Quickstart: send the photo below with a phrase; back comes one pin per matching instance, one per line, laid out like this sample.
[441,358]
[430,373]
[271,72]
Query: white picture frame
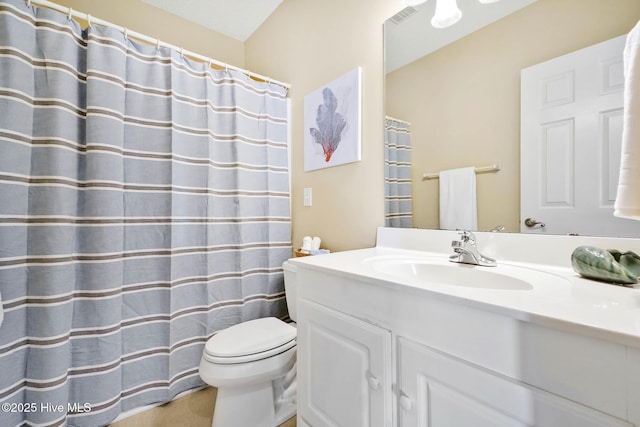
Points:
[333,123]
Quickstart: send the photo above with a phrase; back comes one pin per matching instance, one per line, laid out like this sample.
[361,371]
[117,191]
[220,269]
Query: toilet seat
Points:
[250,341]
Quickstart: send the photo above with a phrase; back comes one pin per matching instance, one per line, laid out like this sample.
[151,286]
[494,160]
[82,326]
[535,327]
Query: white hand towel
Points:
[458,206]
[628,198]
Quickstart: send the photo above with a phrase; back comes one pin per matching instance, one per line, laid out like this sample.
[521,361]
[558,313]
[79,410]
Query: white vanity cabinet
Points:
[374,353]
[347,366]
[439,390]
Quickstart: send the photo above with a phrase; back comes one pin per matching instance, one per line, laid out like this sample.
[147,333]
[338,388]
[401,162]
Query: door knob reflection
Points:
[530,222]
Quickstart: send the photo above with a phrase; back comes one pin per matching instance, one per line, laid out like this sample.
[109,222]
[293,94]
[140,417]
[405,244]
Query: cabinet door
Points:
[438,390]
[344,369]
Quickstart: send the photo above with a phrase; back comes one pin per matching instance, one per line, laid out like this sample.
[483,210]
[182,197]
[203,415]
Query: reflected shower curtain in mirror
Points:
[144,206]
[398,200]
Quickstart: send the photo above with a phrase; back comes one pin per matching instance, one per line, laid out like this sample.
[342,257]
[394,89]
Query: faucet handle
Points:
[467,236]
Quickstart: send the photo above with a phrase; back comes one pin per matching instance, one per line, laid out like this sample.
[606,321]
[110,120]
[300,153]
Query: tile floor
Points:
[192,410]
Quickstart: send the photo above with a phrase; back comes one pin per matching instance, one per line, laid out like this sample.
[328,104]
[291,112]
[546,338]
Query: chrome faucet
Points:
[466,251]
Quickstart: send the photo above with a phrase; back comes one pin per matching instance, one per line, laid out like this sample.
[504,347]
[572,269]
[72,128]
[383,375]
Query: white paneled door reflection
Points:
[571,135]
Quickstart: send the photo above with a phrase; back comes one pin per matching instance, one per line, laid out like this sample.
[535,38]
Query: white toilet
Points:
[253,366]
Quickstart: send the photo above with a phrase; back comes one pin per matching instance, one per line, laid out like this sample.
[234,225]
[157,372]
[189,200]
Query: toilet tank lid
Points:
[289,267]
[251,337]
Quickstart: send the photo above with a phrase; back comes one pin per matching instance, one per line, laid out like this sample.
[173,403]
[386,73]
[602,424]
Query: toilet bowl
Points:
[253,366]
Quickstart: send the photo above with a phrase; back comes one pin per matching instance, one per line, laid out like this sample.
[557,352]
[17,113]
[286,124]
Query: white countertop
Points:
[559,296]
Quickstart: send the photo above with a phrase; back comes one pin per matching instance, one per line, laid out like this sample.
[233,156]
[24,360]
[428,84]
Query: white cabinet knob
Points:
[406,402]
[374,383]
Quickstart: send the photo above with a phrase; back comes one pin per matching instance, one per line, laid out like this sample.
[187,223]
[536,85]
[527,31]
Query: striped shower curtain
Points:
[398,199]
[144,205]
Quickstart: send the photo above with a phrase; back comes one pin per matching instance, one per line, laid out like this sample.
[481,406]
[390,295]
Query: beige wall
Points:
[309,43]
[153,22]
[464,100]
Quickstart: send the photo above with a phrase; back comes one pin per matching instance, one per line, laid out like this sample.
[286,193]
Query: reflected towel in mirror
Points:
[627,203]
[458,205]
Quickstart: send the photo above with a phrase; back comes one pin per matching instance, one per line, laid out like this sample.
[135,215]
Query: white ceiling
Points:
[234,18]
[415,37]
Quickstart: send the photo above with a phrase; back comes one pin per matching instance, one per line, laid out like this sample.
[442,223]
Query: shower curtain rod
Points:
[398,120]
[92,20]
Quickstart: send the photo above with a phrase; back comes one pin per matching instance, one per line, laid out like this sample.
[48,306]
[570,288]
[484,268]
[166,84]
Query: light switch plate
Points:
[307,196]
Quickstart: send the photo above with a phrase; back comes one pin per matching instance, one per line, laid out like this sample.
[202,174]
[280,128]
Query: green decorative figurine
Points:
[610,265]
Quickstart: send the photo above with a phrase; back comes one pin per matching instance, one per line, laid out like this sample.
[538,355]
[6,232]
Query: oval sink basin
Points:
[443,272]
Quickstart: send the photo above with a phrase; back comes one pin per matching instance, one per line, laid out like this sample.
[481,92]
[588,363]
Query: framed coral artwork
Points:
[332,123]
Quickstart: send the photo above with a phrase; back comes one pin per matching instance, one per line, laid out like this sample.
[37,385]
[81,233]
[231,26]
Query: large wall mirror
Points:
[460,90]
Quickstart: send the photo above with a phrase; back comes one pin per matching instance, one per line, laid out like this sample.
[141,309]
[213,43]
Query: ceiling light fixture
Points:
[447,14]
[447,11]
